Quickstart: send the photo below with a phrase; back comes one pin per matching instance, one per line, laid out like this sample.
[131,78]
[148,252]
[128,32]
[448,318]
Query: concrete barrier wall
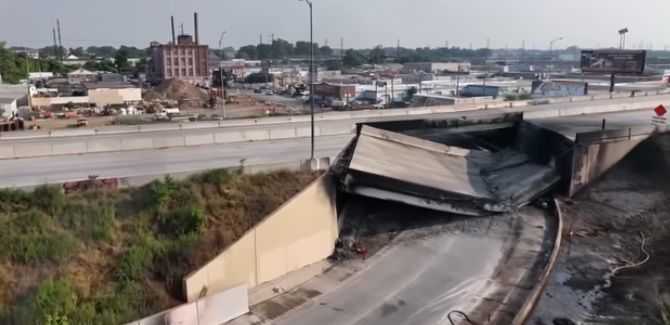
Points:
[301,232]
[592,160]
[215,132]
[215,309]
[83,144]
[328,116]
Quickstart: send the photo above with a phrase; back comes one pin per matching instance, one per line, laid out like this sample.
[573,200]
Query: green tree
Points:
[302,48]
[103,51]
[249,52]
[264,51]
[326,51]
[377,55]
[104,65]
[55,66]
[12,67]
[78,52]
[353,58]
[281,49]
[121,61]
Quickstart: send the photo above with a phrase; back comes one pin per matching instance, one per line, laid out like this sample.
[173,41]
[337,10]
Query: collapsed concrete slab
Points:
[392,166]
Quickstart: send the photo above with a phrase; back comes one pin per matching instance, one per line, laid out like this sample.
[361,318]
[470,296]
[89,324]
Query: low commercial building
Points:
[11,98]
[99,94]
[338,92]
[497,90]
[110,94]
[557,88]
[34,76]
[81,76]
[437,67]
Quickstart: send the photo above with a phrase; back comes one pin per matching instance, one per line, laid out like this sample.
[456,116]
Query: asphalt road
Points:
[57,169]
[484,267]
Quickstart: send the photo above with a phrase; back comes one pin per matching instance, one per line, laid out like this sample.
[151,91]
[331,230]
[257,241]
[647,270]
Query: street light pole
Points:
[223,90]
[551,47]
[311,73]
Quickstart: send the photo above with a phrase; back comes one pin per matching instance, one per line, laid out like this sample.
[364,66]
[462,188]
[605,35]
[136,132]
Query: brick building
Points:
[183,59]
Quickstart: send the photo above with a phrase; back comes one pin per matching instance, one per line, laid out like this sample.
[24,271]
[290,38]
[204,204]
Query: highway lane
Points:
[57,169]
[322,120]
[484,267]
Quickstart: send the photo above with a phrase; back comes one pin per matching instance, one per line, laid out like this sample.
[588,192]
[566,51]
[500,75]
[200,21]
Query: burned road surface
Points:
[426,265]
[614,266]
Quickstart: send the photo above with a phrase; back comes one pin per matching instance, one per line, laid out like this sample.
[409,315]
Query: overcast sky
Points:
[362,23]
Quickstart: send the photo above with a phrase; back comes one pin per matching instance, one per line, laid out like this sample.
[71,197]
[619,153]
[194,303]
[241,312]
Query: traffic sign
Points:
[659,116]
[660,110]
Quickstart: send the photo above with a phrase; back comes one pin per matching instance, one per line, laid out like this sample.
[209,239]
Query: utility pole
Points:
[342,46]
[261,39]
[397,49]
[488,43]
[30,99]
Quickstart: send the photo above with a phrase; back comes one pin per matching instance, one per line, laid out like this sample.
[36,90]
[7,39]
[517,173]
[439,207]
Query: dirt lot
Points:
[242,110]
[605,226]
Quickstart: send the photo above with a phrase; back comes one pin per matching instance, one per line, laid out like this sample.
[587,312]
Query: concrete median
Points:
[256,135]
[304,132]
[140,143]
[199,140]
[338,129]
[169,142]
[6,152]
[32,150]
[69,148]
[72,133]
[228,137]
[104,145]
[276,134]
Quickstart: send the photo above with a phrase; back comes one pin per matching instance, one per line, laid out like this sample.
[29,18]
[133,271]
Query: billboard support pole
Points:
[612,83]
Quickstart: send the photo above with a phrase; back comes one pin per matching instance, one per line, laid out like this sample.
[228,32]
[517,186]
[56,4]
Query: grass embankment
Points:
[108,257]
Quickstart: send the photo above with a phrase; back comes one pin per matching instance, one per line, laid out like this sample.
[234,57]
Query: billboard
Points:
[613,61]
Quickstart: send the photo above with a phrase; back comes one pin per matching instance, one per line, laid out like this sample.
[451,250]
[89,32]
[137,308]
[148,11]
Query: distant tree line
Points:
[13,65]
[104,52]
[355,58]
[282,49]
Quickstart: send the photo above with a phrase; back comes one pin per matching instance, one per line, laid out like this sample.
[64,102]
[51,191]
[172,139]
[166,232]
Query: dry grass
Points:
[133,241]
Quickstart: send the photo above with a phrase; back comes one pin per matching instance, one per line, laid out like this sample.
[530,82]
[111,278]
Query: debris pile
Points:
[178,90]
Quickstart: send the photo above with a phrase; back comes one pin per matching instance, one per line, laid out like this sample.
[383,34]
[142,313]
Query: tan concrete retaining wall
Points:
[592,160]
[212,310]
[301,232]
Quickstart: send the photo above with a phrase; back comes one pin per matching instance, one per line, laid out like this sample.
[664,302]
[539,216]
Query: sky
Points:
[361,23]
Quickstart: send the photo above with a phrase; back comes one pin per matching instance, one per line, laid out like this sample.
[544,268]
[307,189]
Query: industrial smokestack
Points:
[60,41]
[195,21]
[55,44]
[174,38]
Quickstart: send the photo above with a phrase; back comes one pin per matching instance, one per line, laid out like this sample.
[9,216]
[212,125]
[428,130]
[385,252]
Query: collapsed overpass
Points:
[487,164]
